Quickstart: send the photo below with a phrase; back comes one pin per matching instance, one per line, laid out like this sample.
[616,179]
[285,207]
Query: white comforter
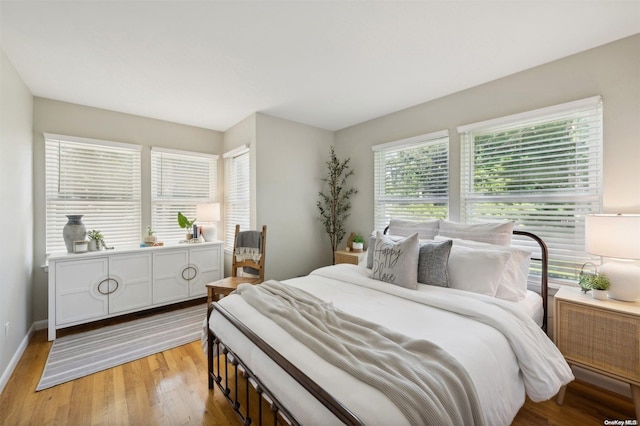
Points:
[500,366]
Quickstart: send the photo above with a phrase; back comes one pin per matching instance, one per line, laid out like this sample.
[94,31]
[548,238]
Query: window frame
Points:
[565,239]
[237,207]
[383,154]
[85,172]
[165,225]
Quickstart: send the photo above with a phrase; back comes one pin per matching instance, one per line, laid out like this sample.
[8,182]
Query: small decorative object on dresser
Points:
[599,335]
[96,240]
[73,231]
[150,239]
[186,224]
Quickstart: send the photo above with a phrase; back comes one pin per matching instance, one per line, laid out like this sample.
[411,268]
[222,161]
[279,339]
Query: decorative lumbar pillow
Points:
[432,262]
[426,229]
[476,270]
[499,233]
[396,262]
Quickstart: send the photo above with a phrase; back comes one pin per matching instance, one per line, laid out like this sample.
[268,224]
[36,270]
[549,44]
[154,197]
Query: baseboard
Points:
[6,375]
[41,325]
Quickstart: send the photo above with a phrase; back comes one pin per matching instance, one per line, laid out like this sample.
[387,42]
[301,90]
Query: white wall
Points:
[76,120]
[290,163]
[16,216]
[612,71]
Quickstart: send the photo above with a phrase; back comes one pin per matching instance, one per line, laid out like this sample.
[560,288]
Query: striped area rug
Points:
[85,353]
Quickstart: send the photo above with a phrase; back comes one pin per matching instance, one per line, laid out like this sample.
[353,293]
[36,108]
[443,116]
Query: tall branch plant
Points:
[334,204]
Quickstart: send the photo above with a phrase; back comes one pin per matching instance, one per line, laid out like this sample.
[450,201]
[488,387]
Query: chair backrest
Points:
[240,260]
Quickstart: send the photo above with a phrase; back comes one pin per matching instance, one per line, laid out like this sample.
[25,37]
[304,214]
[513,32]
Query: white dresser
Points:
[96,285]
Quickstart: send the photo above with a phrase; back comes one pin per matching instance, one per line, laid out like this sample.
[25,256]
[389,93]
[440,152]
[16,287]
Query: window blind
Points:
[543,169]
[179,181]
[411,178]
[98,179]
[237,198]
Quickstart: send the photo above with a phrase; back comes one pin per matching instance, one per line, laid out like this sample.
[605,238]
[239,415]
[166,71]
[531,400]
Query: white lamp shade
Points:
[613,235]
[209,212]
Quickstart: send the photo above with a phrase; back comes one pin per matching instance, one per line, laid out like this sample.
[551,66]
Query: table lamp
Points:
[207,215]
[617,237]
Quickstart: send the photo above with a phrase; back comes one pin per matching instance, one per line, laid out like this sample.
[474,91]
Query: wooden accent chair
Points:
[226,285]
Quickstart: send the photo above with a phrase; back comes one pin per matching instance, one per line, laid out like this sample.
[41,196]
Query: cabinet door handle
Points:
[102,282]
[117,285]
[189,277]
[106,280]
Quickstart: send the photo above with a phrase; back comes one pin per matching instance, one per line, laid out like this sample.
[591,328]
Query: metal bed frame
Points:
[220,376]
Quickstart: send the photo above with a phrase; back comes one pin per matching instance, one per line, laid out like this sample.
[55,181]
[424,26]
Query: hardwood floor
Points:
[170,388]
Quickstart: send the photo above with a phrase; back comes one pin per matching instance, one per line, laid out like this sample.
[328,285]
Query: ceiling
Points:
[329,64]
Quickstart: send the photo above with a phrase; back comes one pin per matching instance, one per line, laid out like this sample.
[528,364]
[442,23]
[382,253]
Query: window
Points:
[542,168]
[411,178]
[98,179]
[237,194]
[179,181]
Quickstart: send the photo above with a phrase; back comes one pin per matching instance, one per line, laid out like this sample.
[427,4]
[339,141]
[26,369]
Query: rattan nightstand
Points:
[599,335]
[354,258]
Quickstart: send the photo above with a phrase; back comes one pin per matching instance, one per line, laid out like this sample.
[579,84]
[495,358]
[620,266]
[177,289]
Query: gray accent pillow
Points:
[432,262]
[396,262]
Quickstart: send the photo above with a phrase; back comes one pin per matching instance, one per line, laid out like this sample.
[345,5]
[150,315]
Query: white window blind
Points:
[543,169]
[411,178]
[179,181]
[97,179]
[237,194]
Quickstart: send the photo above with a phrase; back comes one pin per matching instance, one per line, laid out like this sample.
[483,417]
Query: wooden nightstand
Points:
[343,256]
[599,335]
[224,287]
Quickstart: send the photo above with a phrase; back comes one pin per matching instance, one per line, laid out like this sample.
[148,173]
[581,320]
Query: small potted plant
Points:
[150,238]
[96,241]
[357,244]
[186,224]
[597,283]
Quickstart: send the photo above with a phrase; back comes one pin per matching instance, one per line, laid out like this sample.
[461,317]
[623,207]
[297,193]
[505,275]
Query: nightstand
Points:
[343,256]
[599,335]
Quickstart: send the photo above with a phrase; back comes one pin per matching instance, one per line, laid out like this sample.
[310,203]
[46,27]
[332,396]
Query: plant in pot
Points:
[150,238]
[186,224]
[357,243]
[597,283]
[96,240]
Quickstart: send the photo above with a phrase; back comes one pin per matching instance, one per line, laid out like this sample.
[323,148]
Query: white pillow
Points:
[498,233]
[513,284]
[476,270]
[426,229]
[396,262]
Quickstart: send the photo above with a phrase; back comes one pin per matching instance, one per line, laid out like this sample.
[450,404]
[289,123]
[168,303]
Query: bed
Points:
[493,351]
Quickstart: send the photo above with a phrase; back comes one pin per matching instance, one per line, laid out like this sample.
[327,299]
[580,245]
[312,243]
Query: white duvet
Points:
[501,367]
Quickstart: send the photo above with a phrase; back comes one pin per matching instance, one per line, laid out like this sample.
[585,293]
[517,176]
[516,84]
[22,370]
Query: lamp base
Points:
[208,232]
[625,279]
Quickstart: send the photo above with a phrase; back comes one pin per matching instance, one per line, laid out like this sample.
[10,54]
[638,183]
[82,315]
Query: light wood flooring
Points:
[170,388]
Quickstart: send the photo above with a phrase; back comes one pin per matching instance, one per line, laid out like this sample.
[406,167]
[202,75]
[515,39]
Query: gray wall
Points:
[612,71]
[63,118]
[16,216]
[289,165]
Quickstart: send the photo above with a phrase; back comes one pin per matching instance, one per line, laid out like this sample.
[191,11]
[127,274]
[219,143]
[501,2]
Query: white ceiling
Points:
[329,64]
